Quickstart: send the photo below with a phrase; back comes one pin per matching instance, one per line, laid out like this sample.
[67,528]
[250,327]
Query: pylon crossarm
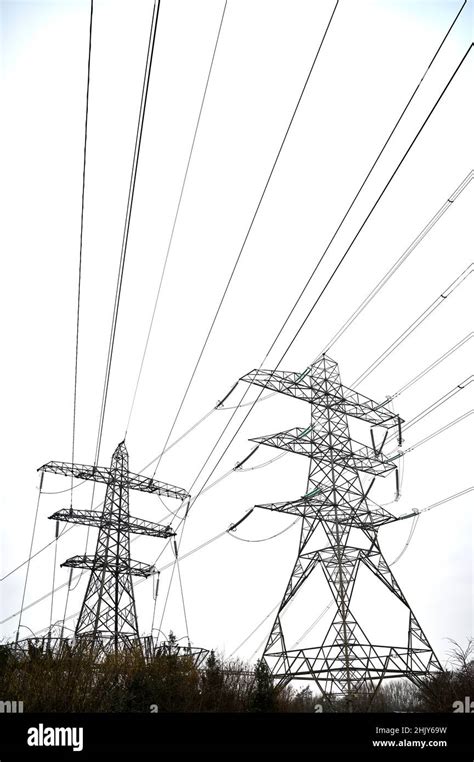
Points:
[91,473]
[105,475]
[300,507]
[305,442]
[144,484]
[280,381]
[112,521]
[296,507]
[340,399]
[359,406]
[114,565]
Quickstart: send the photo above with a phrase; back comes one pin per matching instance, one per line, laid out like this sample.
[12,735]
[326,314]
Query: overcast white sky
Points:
[373,57]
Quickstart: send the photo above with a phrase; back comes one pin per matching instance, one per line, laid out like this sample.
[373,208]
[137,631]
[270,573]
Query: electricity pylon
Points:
[108,613]
[346,663]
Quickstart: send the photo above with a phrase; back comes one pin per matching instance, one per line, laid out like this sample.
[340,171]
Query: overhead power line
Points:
[384,280]
[435,405]
[415,324]
[324,288]
[226,531]
[400,261]
[367,176]
[126,229]
[254,216]
[431,367]
[81,235]
[418,511]
[128,214]
[471,411]
[432,435]
[173,227]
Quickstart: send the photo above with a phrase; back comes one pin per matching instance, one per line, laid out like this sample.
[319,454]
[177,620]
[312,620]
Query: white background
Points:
[374,55]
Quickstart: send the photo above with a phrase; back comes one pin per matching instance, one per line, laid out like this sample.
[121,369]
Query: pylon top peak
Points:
[323,359]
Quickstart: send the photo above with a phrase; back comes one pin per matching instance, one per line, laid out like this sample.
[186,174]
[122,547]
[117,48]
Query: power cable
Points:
[400,261]
[265,539]
[328,282]
[414,325]
[433,434]
[409,539]
[239,255]
[239,467]
[435,405]
[54,574]
[173,227]
[415,514]
[433,365]
[128,213]
[99,505]
[226,531]
[238,260]
[356,196]
[392,270]
[165,449]
[369,214]
[29,557]
[418,511]
[81,236]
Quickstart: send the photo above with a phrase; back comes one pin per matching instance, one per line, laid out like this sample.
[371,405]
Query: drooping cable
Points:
[99,505]
[408,541]
[29,556]
[182,598]
[265,539]
[226,532]
[66,601]
[239,467]
[55,558]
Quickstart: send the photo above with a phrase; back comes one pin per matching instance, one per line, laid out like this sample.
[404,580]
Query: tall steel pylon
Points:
[108,614]
[346,662]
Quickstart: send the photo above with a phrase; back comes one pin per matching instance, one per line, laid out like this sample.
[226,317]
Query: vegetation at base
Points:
[76,681]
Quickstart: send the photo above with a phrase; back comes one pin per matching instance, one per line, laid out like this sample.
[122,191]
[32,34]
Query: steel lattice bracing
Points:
[108,611]
[346,662]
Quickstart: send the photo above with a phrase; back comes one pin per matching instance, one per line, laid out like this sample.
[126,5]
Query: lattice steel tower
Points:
[108,613]
[346,662]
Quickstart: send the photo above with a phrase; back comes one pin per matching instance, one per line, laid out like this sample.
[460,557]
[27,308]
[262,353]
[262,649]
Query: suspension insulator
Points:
[157,585]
